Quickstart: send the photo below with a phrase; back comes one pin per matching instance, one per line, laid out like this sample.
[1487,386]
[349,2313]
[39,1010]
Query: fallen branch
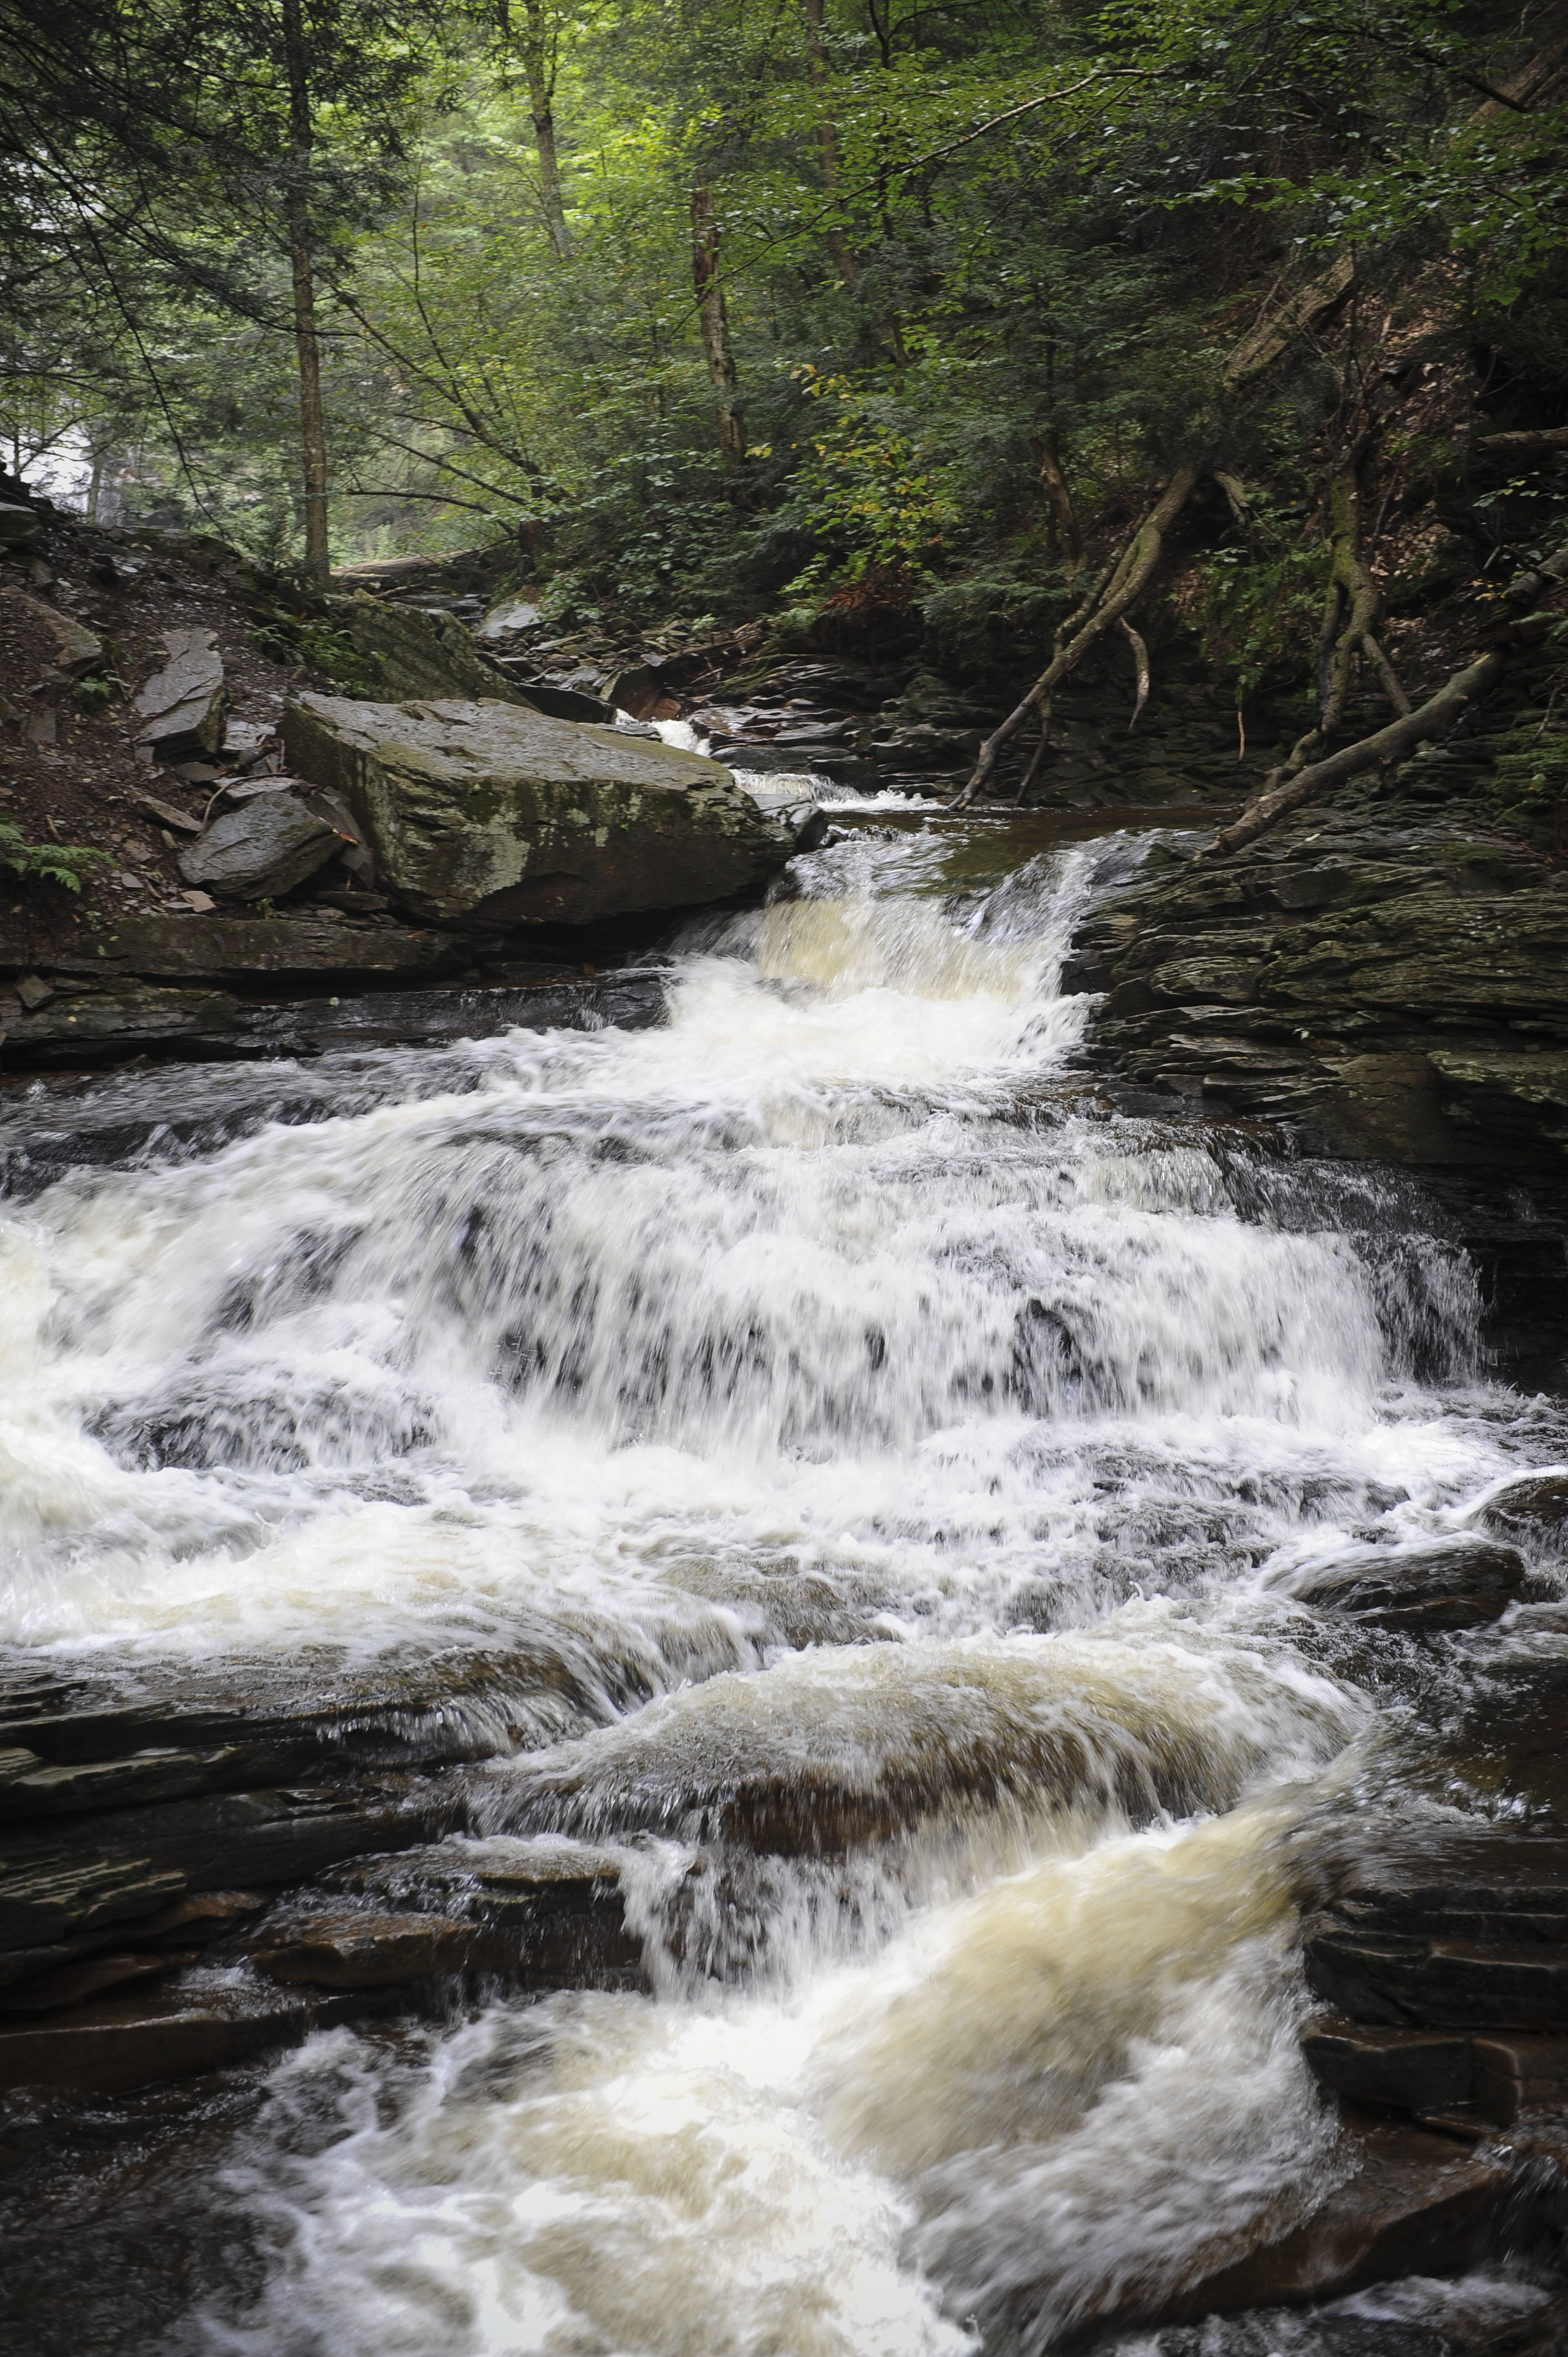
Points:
[1524,445]
[1433,719]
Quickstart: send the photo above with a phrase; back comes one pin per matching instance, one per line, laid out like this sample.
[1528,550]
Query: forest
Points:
[951,315]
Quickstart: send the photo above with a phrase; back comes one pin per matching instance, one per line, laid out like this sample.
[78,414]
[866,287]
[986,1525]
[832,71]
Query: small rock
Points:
[261,850]
[201,902]
[34,991]
[167,814]
[41,727]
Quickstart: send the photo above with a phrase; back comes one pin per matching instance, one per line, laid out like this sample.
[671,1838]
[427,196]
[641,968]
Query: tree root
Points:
[1387,748]
[1140,658]
[1128,578]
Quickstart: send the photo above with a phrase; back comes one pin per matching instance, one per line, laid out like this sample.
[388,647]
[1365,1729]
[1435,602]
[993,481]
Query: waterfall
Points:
[896,1435]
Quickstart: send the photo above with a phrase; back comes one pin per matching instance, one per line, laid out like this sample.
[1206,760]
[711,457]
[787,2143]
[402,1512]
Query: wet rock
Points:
[182,706]
[44,1898]
[37,1790]
[1536,1502]
[262,849]
[299,948]
[1377,1976]
[129,2042]
[71,1985]
[356,1951]
[548,1912]
[1460,1584]
[1418,2204]
[1407,2070]
[113,1868]
[122,1017]
[493,812]
[1511,2076]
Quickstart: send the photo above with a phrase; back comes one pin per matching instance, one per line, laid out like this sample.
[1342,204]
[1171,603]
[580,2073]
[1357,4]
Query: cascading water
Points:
[904,1448]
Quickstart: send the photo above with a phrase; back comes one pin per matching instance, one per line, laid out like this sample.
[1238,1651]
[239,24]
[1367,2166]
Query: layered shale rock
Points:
[192,1869]
[491,812]
[1396,987]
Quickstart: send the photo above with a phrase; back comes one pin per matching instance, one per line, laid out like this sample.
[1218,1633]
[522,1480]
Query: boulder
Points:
[491,811]
[263,848]
[182,706]
[17,524]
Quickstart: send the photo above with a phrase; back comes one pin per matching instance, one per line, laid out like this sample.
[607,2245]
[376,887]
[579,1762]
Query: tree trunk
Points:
[844,254]
[710,293]
[307,344]
[539,64]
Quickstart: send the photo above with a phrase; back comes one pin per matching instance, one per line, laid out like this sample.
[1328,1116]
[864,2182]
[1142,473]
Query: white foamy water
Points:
[897,1441]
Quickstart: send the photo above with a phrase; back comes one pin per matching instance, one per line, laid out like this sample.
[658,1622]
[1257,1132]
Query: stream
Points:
[913,1445]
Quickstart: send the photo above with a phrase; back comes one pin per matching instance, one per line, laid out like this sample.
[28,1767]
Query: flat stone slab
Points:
[181,707]
[493,811]
[308,948]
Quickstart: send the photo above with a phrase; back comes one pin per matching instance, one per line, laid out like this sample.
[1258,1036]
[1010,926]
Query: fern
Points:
[67,864]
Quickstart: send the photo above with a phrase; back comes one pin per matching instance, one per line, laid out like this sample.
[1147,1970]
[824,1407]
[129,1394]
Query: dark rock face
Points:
[1444,1961]
[490,811]
[1397,987]
[1416,2200]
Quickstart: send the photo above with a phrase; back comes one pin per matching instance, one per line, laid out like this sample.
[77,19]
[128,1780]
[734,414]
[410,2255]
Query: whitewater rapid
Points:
[901,1442]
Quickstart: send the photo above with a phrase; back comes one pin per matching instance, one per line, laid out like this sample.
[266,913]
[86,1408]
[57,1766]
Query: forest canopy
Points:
[719,306]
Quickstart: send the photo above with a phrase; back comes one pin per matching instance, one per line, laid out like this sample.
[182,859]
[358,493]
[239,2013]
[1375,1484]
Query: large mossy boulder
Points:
[492,812]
